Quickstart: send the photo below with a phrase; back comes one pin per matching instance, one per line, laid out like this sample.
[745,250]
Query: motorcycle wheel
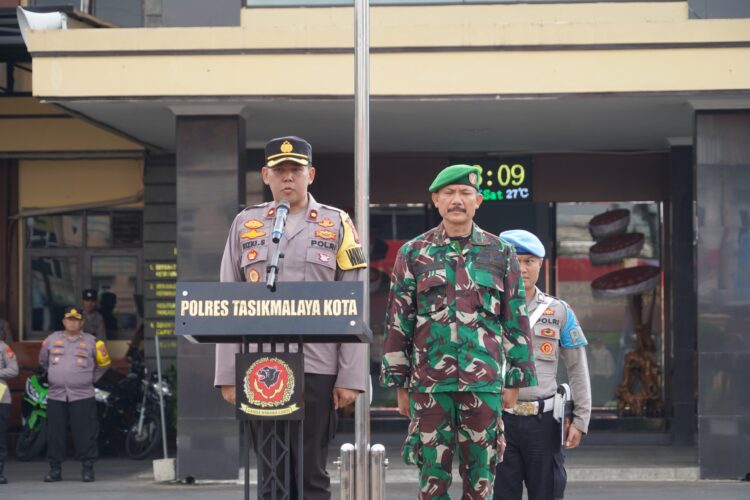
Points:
[31,442]
[139,446]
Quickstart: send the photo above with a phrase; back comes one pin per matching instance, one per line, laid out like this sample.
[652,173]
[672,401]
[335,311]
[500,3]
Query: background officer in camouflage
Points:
[74,360]
[533,454]
[456,310]
[320,243]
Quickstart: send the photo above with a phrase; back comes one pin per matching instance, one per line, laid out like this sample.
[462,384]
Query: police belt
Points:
[531,408]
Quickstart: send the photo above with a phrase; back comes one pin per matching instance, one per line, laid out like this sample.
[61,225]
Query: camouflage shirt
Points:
[454,314]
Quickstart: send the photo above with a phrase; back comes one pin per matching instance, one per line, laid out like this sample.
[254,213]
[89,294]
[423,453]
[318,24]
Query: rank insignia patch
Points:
[549,312]
[252,255]
[252,234]
[253,224]
[324,257]
[253,276]
[546,348]
[356,256]
[326,222]
[326,234]
[271,212]
[548,332]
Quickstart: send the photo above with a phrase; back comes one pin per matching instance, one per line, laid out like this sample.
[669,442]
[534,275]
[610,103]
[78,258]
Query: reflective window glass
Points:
[53,288]
[54,231]
[609,323]
[98,231]
[116,279]
[390,227]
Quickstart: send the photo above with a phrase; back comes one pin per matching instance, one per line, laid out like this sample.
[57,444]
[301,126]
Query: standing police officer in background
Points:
[319,243]
[534,449]
[456,312]
[74,360]
[8,370]
[93,321]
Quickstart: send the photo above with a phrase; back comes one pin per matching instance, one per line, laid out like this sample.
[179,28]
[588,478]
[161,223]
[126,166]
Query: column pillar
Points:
[683,296]
[210,154]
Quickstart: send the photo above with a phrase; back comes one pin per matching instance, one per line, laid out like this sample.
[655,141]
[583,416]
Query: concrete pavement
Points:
[595,472]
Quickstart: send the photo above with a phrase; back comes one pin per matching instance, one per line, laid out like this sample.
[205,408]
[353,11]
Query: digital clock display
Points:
[505,180]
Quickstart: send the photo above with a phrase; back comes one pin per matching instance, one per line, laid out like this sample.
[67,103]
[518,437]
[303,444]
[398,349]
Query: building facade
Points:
[571,108]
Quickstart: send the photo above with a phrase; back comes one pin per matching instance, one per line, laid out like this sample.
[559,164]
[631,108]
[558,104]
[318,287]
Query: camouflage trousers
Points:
[442,421]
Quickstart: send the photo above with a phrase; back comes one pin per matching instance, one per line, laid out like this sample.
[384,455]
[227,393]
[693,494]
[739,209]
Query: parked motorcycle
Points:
[129,411]
[33,439]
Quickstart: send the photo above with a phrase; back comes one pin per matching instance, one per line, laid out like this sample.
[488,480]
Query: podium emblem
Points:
[269,382]
[272,386]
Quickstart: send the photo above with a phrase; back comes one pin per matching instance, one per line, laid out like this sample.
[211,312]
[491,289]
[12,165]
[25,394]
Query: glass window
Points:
[116,279]
[608,323]
[127,229]
[53,288]
[90,249]
[390,227]
[98,231]
[54,231]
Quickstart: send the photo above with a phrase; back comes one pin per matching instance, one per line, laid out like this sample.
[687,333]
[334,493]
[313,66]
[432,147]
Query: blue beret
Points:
[524,241]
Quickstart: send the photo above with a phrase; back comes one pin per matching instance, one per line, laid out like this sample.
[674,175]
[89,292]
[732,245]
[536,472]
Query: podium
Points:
[270,381]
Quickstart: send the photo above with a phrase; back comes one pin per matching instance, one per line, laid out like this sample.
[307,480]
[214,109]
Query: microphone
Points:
[282,210]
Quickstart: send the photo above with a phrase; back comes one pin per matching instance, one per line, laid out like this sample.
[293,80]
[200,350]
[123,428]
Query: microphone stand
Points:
[272,270]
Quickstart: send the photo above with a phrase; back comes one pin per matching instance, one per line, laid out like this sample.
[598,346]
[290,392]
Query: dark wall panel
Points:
[723,283]
[681,274]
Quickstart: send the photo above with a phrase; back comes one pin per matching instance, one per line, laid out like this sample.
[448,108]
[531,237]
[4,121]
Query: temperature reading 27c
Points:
[508,182]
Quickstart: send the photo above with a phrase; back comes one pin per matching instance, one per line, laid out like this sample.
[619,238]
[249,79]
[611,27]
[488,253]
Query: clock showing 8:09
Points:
[506,180]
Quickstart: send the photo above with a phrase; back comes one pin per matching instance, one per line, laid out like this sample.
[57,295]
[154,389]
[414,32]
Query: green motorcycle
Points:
[33,440]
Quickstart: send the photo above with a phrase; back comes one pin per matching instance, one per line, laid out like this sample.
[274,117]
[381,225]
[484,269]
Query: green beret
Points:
[457,174]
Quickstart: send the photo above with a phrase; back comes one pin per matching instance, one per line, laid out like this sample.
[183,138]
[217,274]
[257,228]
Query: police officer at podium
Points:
[534,453]
[319,243]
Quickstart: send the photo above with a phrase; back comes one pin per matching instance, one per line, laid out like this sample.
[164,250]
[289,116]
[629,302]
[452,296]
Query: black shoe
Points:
[54,475]
[87,474]
[3,480]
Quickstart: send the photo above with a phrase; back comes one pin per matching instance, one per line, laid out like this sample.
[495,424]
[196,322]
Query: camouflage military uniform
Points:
[454,314]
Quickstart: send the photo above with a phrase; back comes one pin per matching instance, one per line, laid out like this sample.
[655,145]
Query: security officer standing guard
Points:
[93,321]
[456,310]
[74,360]
[320,243]
[534,437]
[8,370]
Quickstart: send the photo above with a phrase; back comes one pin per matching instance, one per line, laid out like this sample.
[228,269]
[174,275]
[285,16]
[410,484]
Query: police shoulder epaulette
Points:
[350,254]
[257,205]
[329,207]
[102,355]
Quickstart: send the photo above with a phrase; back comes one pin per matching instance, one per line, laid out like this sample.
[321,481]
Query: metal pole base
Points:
[346,471]
[378,464]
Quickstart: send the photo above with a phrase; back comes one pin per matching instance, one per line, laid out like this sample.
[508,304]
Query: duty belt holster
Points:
[563,409]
